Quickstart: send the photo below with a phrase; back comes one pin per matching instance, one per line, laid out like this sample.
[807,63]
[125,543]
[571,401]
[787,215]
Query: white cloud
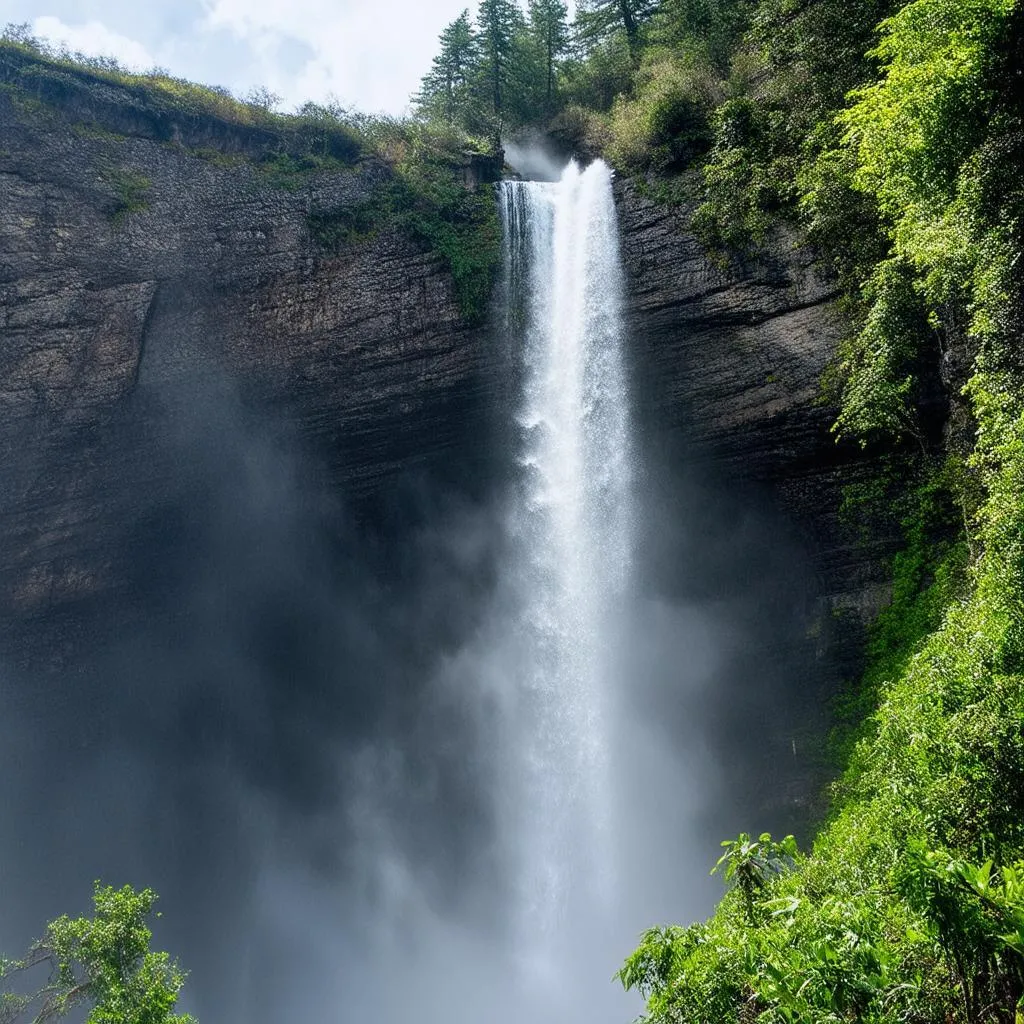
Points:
[95,39]
[368,52]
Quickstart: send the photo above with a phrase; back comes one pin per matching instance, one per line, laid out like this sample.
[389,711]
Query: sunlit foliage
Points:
[903,164]
[101,963]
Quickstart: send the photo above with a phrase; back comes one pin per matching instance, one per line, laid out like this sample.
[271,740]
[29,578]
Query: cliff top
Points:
[100,94]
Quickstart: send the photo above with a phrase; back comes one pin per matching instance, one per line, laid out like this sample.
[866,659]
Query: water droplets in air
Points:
[542,910]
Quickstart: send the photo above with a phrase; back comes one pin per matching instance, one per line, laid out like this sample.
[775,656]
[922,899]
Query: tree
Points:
[550,29]
[749,863]
[499,23]
[715,26]
[103,962]
[598,19]
[445,87]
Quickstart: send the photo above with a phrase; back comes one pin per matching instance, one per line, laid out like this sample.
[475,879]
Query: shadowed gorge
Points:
[258,564]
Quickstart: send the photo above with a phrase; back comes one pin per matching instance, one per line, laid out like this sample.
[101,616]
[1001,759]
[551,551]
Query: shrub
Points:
[580,130]
[666,125]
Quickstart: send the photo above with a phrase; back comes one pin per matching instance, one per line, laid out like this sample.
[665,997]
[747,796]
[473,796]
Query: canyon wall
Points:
[138,273]
[151,270]
[731,353]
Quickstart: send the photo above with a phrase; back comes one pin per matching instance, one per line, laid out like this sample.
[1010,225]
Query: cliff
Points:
[137,263]
[158,276]
[731,356]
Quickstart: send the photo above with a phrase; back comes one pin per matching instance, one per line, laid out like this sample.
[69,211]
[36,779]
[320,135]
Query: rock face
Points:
[156,289]
[730,359]
[132,270]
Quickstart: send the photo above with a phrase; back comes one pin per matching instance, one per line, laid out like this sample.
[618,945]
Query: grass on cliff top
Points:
[54,76]
[424,196]
[431,205]
[312,137]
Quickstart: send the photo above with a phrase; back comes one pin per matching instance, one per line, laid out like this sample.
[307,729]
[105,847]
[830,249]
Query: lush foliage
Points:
[893,135]
[102,963]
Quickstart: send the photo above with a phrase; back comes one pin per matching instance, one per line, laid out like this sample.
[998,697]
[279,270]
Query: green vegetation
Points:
[891,135]
[425,195]
[58,78]
[461,226]
[131,191]
[638,76]
[425,201]
[102,964]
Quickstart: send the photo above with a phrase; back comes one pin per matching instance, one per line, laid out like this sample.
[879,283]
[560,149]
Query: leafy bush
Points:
[102,963]
[877,386]
[666,125]
[742,183]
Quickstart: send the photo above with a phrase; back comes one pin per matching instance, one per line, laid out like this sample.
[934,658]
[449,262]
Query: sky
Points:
[366,54]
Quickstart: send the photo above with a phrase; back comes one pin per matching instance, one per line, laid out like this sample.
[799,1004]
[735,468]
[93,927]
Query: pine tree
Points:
[499,23]
[445,88]
[550,30]
[717,25]
[598,19]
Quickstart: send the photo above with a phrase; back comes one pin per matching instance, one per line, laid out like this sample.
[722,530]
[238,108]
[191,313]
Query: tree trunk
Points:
[629,22]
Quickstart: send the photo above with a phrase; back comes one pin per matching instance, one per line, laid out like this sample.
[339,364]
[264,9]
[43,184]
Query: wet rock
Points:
[730,358]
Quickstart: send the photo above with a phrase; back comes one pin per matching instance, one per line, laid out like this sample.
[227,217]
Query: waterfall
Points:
[570,529]
[551,886]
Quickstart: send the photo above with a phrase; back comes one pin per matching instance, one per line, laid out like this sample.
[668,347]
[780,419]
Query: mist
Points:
[532,157]
[288,714]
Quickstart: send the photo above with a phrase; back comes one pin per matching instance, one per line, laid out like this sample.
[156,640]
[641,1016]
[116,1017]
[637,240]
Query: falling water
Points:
[571,530]
[544,909]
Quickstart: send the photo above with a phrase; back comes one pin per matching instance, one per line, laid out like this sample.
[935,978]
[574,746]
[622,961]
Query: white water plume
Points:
[571,532]
[544,909]
[585,807]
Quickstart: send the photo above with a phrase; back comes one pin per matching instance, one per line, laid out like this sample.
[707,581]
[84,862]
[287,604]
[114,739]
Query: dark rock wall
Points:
[144,282]
[730,358]
[107,313]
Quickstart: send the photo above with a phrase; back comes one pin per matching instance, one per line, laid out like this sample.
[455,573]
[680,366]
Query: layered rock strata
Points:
[133,270]
[151,273]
